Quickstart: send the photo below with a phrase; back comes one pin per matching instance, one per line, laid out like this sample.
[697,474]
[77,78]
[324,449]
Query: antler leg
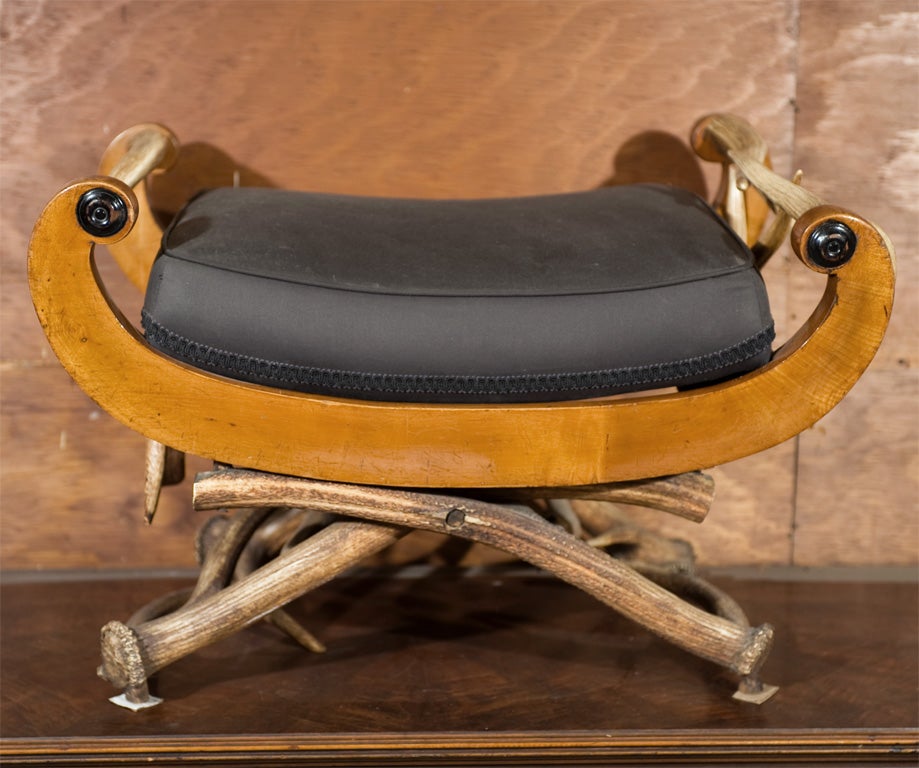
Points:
[738,647]
[273,518]
[130,654]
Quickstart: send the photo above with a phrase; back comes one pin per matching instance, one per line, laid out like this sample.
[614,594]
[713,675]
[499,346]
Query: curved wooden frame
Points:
[582,442]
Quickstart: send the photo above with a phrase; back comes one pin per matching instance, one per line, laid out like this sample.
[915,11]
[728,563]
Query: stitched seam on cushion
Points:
[714,274]
[647,376]
[166,250]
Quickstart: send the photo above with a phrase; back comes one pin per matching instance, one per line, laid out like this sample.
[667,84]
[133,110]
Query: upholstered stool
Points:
[361,367]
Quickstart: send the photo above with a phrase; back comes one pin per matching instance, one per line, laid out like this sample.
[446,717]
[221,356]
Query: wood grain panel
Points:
[462,100]
[872,515]
[750,522]
[423,99]
[71,484]
[857,137]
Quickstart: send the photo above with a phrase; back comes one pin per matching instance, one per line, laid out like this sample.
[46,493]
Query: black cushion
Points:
[514,300]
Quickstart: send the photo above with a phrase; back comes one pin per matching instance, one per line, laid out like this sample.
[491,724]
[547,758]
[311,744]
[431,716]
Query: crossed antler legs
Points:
[217,608]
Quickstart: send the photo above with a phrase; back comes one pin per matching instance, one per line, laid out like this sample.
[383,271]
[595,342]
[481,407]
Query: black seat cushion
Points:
[529,299]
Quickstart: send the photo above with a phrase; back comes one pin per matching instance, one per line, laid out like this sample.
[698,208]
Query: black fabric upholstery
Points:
[528,299]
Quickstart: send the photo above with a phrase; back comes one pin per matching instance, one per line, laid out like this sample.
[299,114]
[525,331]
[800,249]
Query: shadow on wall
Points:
[652,157]
[657,157]
[199,166]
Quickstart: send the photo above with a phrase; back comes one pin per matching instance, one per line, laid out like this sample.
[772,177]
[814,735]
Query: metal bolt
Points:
[455,518]
[831,244]
[101,212]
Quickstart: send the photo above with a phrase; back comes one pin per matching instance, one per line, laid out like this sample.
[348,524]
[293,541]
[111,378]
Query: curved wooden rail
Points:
[582,442]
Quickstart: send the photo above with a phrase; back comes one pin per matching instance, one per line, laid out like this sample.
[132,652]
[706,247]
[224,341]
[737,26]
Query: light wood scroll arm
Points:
[574,443]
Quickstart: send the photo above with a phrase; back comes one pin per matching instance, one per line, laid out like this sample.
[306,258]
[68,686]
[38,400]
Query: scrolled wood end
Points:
[101,208]
[825,238]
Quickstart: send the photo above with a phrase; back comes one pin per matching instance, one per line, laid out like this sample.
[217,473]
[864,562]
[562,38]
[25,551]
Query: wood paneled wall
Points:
[464,99]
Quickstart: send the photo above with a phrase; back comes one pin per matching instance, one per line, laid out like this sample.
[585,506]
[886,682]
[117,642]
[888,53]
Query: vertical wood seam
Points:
[795,474]
[795,10]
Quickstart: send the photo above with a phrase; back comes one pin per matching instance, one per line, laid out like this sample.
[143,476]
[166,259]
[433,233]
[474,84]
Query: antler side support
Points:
[133,652]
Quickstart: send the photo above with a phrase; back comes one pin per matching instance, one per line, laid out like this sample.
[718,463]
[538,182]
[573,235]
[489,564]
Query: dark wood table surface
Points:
[460,668]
